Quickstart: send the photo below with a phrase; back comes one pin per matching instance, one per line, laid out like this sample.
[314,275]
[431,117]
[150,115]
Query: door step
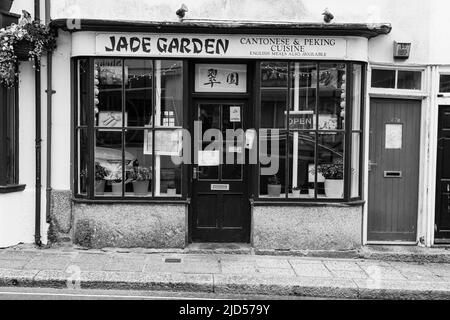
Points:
[219,248]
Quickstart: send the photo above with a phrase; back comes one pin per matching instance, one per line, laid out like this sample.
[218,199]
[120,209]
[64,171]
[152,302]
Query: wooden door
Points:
[220,202]
[393,170]
[443,177]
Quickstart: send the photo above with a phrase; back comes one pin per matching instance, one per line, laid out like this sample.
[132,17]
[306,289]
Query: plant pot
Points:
[5,5]
[116,188]
[100,187]
[274,190]
[141,187]
[171,192]
[22,49]
[334,189]
[296,193]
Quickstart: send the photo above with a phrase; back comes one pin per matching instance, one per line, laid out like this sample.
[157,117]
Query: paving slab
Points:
[285,286]
[90,262]
[311,270]
[49,262]
[342,266]
[13,264]
[125,263]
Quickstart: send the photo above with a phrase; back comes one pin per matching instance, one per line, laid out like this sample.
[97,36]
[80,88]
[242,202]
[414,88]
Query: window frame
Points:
[347,132]
[9,115]
[396,69]
[92,129]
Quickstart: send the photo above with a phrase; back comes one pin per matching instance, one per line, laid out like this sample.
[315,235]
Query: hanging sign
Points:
[222,46]
[301,120]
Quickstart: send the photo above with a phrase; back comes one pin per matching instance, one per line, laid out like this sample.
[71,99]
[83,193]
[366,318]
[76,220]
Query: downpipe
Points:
[37,75]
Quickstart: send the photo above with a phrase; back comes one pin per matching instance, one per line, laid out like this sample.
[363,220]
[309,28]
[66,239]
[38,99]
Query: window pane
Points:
[273,163]
[109,101]
[356,97]
[274,74]
[331,165]
[332,94]
[444,84]
[274,83]
[356,156]
[168,171]
[84,80]
[302,164]
[108,157]
[303,96]
[169,93]
[409,80]
[139,171]
[82,161]
[138,92]
[383,78]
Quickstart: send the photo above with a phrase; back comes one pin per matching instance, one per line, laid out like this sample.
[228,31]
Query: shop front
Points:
[236,135]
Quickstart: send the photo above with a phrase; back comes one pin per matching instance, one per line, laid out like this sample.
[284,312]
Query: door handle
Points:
[195,173]
[372,164]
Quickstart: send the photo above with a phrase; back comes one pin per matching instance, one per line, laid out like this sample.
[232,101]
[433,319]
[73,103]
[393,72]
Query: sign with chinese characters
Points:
[221,46]
[221,78]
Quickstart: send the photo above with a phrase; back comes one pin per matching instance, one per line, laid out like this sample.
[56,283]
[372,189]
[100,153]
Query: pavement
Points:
[222,274]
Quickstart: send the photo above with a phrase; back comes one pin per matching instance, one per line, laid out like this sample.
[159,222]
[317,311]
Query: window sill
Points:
[292,203]
[12,188]
[131,201]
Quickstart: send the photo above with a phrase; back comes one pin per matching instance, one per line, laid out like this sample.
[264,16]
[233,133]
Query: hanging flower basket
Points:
[28,40]
[5,5]
[22,50]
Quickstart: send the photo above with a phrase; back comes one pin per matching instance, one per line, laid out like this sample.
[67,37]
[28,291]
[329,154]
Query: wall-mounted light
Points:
[402,50]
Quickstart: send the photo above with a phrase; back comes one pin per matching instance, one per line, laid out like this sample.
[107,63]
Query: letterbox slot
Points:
[392,174]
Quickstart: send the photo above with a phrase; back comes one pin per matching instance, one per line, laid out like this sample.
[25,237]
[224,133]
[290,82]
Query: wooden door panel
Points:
[394,175]
[443,176]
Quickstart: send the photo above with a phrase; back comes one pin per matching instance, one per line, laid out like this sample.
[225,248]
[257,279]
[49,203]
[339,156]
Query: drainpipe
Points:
[37,235]
[50,93]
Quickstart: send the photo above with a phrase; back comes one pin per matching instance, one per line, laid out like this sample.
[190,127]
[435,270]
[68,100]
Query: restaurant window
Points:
[129,121]
[310,124]
[9,143]
[396,79]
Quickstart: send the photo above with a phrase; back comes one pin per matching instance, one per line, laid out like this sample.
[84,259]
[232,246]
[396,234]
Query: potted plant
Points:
[334,178]
[171,189]
[296,192]
[114,171]
[5,5]
[28,40]
[100,174]
[274,187]
[140,177]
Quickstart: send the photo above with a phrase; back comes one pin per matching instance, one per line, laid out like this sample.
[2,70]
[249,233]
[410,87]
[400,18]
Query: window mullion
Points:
[91,132]
[123,129]
[348,135]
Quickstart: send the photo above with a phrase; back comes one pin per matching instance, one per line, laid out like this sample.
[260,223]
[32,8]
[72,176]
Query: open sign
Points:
[301,120]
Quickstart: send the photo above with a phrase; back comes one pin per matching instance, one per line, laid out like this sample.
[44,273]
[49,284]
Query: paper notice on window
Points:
[394,136]
[235,114]
[208,158]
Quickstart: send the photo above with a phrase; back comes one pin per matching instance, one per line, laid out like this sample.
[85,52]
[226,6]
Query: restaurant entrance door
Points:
[220,209]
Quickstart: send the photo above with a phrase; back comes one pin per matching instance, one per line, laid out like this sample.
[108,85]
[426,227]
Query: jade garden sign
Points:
[222,46]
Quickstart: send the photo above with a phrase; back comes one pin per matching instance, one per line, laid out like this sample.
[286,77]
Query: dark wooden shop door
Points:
[394,170]
[220,202]
[443,177]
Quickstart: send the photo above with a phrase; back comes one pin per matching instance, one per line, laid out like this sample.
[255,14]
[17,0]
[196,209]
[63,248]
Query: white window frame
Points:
[374,92]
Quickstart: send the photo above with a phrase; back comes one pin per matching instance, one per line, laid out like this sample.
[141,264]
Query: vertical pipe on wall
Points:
[50,93]
[37,234]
